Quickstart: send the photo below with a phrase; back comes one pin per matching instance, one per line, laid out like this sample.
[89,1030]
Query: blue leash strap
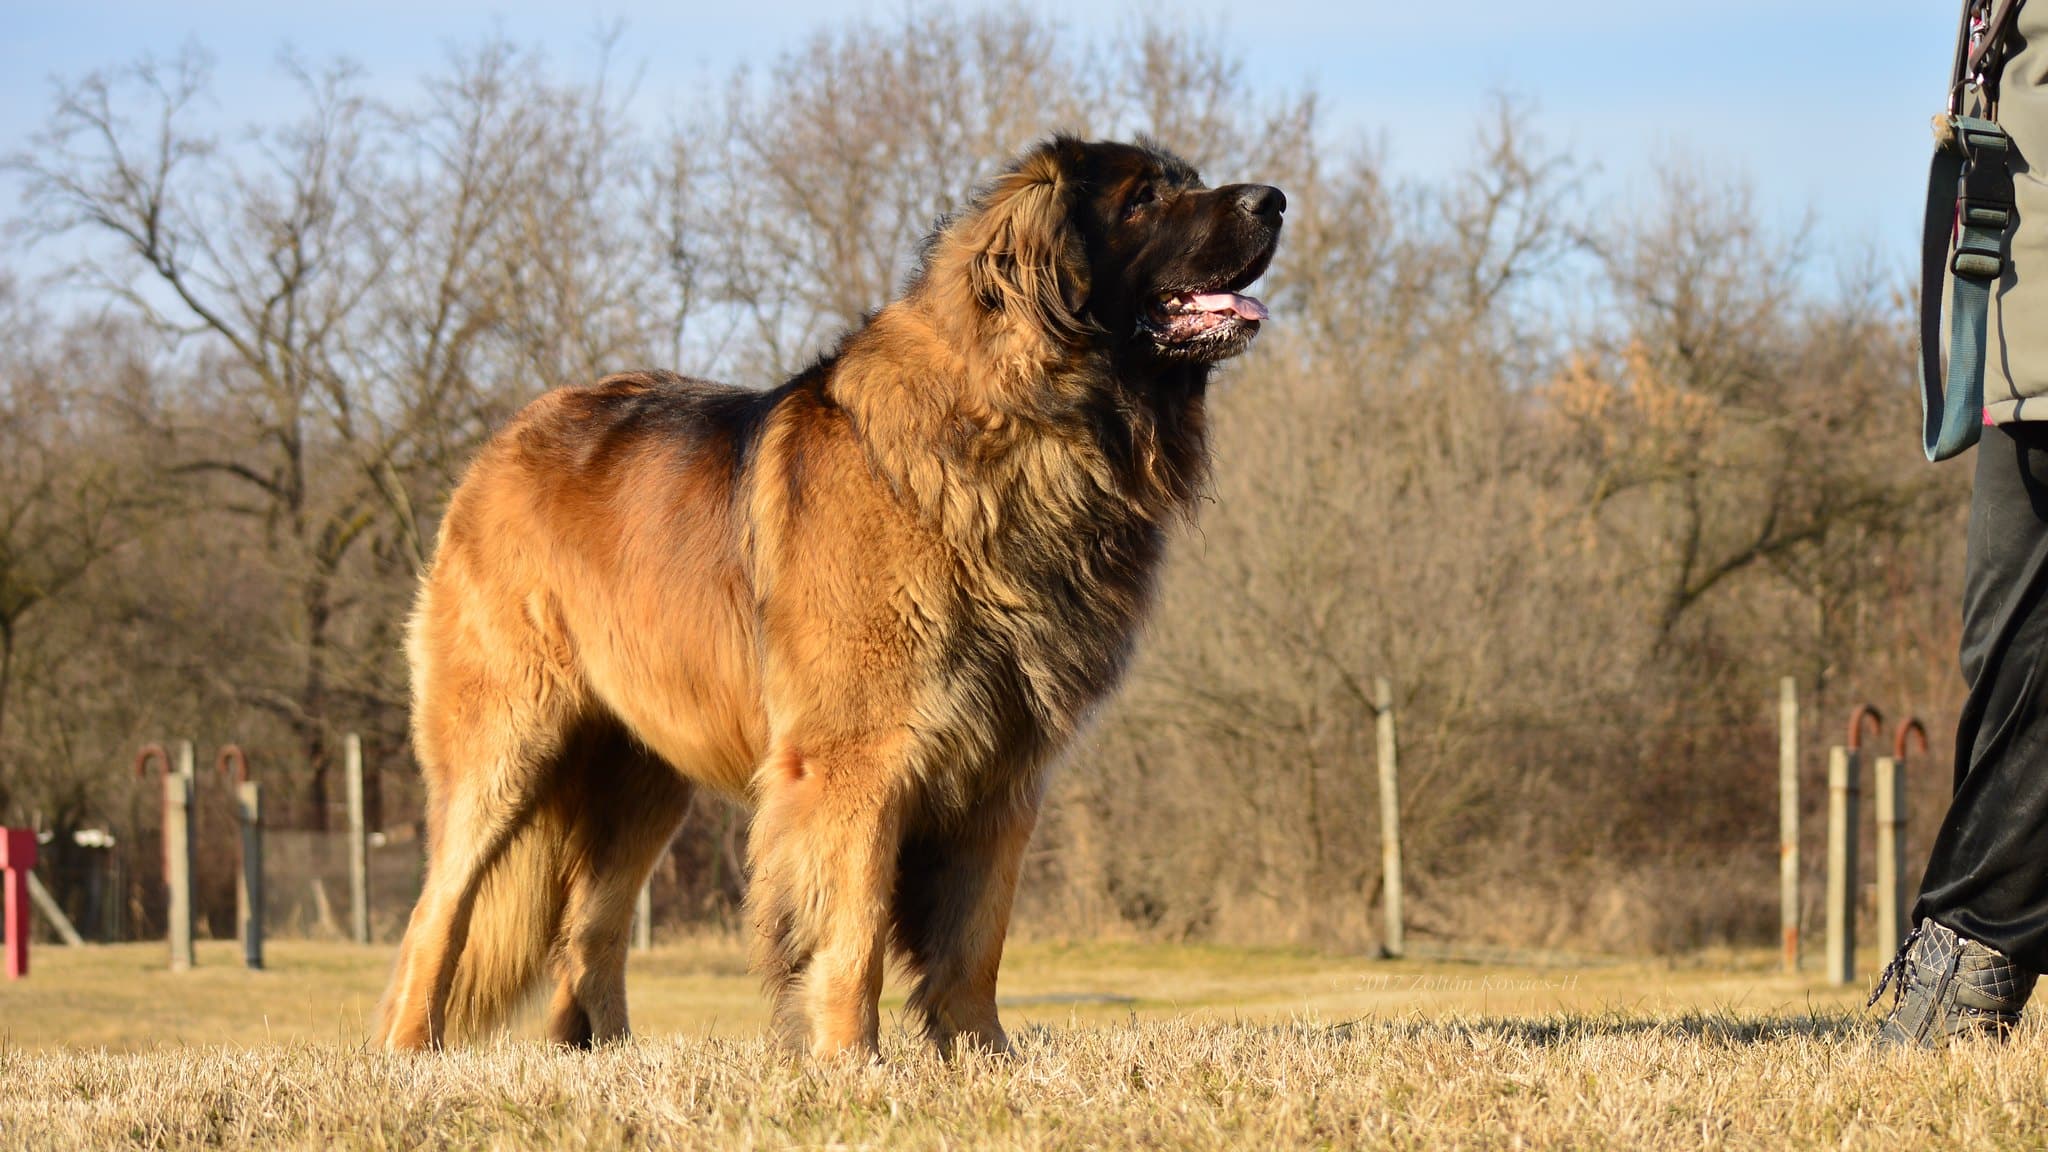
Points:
[1969,202]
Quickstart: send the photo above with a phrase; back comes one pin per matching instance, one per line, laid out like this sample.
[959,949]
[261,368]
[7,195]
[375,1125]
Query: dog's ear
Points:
[1026,258]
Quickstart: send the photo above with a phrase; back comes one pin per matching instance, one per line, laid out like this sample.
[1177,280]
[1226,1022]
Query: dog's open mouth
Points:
[1178,317]
[1214,313]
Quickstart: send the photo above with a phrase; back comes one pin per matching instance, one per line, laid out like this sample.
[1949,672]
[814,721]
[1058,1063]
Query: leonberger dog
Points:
[874,604]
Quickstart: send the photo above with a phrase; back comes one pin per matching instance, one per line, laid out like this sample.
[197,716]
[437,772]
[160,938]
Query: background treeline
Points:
[1582,478]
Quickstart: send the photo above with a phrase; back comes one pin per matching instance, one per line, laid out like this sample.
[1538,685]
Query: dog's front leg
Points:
[824,849]
[954,890]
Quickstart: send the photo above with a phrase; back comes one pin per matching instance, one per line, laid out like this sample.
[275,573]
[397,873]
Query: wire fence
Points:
[110,879]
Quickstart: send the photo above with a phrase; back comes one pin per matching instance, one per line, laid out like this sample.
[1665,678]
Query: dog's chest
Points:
[1047,618]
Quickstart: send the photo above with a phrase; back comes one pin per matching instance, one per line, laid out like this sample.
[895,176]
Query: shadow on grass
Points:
[1712,1028]
[1715,1029]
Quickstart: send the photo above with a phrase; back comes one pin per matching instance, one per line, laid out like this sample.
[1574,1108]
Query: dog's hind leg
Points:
[493,707]
[951,913]
[622,806]
[474,832]
[823,849]
[480,820]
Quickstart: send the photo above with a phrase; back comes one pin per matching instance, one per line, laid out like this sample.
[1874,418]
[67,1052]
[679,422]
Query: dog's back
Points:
[602,528]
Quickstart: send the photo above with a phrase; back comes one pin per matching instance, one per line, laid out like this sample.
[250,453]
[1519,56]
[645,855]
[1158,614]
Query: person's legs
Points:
[1983,909]
[1987,878]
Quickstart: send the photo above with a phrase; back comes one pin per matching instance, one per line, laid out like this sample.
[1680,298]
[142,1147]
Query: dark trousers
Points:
[1988,876]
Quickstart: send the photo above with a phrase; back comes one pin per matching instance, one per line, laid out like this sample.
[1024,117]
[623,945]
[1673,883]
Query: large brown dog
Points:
[874,603]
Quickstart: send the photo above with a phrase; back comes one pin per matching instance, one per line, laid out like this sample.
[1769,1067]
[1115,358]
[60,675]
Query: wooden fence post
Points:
[1842,805]
[1788,819]
[249,889]
[179,859]
[1891,854]
[358,842]
[232,764]
[1391,942]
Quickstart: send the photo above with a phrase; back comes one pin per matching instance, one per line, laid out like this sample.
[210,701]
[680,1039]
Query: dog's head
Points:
[1121,245]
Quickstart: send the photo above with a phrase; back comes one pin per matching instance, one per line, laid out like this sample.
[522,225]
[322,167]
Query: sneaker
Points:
[1950,987]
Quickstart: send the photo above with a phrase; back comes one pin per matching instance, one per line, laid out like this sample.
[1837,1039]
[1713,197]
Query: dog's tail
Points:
[512,926]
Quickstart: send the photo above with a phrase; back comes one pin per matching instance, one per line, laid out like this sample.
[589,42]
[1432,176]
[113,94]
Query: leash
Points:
[1969,205]
[1969,208]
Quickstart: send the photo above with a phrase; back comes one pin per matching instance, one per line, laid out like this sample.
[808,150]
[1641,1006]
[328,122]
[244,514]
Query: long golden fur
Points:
[873,603]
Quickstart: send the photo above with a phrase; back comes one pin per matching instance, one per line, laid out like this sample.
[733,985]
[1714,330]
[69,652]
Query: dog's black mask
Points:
[1169,258]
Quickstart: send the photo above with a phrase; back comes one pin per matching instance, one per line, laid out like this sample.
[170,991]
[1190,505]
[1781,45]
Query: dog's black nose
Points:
[1263,201]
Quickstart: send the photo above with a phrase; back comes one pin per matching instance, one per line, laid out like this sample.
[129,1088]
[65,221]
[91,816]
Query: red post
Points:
[17,856]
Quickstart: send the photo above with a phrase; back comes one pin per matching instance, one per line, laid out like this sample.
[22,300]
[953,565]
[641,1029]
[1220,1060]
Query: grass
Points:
[1119,1045]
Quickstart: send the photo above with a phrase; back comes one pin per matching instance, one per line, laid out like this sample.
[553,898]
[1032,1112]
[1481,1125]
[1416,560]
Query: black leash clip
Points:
[1984,196]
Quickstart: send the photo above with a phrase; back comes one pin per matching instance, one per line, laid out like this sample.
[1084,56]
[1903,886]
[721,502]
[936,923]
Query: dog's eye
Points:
[1143,196]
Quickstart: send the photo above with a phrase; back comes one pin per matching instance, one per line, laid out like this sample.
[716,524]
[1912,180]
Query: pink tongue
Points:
[1243,306]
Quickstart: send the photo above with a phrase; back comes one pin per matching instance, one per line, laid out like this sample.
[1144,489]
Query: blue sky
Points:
[1821,106]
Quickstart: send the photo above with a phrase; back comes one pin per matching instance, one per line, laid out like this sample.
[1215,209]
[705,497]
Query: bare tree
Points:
[1715,435]
[385,286]
[65,505]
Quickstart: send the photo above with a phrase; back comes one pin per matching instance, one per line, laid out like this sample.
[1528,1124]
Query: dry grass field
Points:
[1118,1046]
